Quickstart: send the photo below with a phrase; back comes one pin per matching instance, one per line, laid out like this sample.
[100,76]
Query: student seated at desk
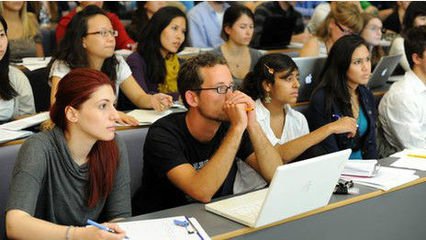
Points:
[24,32]
[343,19]
[274,85]
[89,42]
[155,64]
[191,156]
[74,172]
[402,110]
[342,92]
[237,31]
[16,96]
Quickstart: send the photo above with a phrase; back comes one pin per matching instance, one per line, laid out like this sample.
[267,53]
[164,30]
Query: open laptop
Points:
[295,188]
[383,70]
[309,72]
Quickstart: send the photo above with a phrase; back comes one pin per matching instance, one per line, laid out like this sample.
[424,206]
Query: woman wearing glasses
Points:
[342,92]
[343,19]
[89,42]
[155,64]
[372,34]
[74,172]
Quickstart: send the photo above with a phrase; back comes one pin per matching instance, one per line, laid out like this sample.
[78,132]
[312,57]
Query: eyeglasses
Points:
[376,28]
[223,89]
[105,33]
[344,31]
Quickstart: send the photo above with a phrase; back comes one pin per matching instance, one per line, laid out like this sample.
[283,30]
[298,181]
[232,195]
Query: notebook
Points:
[309,72]
[383,70]
[295,188]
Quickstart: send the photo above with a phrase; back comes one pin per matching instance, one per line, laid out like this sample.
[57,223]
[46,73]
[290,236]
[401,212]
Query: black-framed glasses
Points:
[223,89]
[344,31]
[105,33]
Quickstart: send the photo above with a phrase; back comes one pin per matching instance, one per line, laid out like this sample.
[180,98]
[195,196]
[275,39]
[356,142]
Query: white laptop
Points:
[309,72]
[383,70]
[295,188]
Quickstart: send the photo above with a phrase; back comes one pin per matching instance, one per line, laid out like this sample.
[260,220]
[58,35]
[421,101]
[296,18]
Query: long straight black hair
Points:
[333,78]
[150,44]
[7,92]
[71,49]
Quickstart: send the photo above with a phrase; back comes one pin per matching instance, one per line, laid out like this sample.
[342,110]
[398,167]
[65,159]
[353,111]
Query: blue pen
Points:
[193,227]
[102,227]
[336,116]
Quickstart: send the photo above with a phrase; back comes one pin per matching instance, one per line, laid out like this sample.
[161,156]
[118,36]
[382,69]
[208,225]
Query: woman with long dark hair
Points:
[274,85]
[90,42]
[155,64]
[16,96]
[74,172]
[342,92]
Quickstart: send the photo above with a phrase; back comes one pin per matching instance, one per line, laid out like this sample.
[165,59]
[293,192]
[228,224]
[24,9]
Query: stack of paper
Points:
[360,168]
[411,158]
[26,122]
[164,229]
[148,117]
[34,63]
[386,178]
[7,135]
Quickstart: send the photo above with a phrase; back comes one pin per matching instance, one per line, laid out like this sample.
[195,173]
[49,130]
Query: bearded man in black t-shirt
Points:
[192,156]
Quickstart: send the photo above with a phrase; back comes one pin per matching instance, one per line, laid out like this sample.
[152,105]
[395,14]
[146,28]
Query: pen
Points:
[193,227]
[102,227]
[416,155]
[249,109]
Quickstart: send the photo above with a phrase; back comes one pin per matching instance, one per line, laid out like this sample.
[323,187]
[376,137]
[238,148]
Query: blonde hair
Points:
[344,13]
[29,21]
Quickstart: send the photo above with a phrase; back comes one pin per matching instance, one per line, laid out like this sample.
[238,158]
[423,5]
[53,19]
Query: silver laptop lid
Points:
[309,71]
[383,70]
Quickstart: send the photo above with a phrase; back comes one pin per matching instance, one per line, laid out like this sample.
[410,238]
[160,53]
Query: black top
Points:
[275,26]
[169,144]
[318,117]
[392,22]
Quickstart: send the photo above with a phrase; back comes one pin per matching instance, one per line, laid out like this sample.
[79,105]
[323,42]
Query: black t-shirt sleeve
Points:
[246,148]
[163,149]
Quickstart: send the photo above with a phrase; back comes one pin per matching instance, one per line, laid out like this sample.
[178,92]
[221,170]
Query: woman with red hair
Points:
[74,172]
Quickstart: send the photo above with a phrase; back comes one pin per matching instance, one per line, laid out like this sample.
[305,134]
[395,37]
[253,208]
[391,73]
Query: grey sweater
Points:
[48,184]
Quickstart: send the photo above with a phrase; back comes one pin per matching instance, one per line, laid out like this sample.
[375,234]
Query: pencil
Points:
[416,155]
[249,109]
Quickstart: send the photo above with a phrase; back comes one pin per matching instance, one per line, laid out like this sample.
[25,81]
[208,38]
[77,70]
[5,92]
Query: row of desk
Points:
[135,138]
[371,214]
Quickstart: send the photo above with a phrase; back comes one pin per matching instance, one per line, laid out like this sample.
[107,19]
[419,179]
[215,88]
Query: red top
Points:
[121,42]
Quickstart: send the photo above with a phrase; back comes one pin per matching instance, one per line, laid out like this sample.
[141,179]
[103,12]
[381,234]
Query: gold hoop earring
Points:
[267,98]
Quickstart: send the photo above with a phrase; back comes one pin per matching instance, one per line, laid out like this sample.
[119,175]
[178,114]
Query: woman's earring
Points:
[267,98]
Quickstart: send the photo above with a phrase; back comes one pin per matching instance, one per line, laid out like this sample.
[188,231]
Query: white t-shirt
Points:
[60,69]
[295,126]
[402,113]
[21,104]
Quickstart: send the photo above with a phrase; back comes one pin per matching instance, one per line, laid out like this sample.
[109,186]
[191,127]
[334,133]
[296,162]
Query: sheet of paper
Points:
[412,153]
[7,135]
[410,162]
[147,117]
[386,178]
[362,168]
[34,63]
[163,229]
[26,122]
